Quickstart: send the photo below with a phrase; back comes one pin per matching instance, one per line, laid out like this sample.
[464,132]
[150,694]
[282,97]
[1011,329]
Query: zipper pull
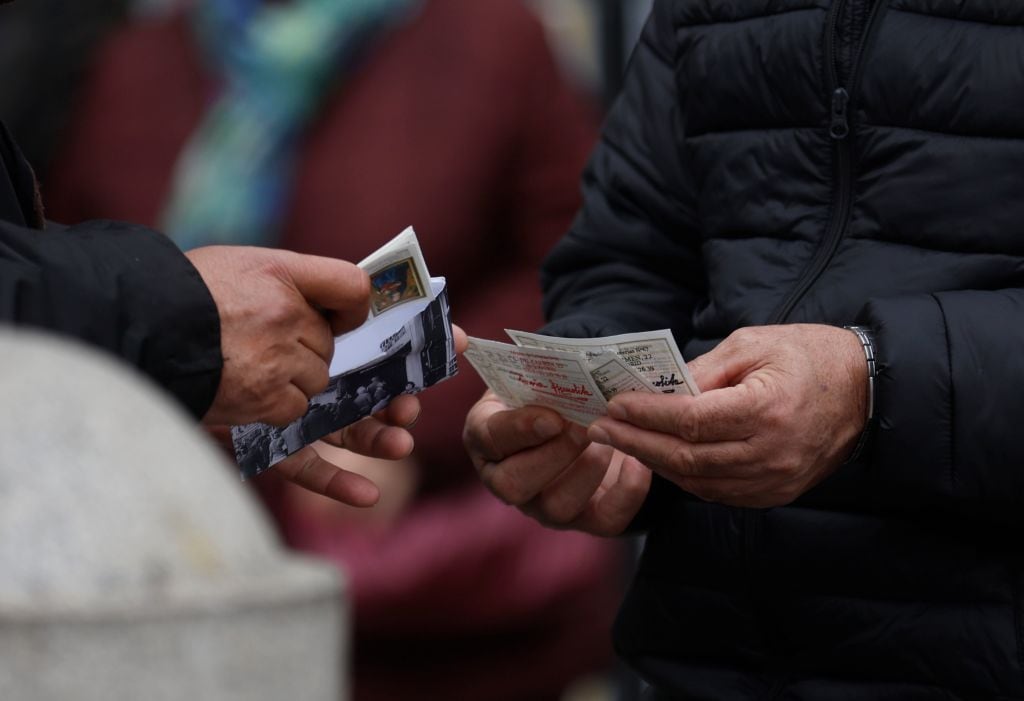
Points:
[840,127]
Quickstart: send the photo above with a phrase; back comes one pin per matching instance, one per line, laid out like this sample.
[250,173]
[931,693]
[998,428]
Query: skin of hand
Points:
[781,408]
[382,436]
[385,436]
[535,460]
[396,480]
[279,313]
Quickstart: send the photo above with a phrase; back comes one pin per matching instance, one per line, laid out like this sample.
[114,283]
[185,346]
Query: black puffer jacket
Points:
[828,161]
[119,287]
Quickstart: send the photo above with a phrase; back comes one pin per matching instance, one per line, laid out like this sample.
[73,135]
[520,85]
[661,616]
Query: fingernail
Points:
[616,410]
[545,427]
[598,435]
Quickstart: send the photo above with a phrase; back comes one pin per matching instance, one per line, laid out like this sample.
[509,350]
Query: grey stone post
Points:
[134,565]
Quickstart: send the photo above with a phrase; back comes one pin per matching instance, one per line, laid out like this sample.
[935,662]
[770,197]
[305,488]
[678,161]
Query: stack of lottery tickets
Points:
[577,377]
[404,346]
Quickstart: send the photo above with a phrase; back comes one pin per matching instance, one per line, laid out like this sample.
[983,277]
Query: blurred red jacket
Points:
[460,124]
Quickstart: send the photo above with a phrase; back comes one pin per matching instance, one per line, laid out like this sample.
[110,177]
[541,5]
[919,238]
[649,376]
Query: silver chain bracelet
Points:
[868,344]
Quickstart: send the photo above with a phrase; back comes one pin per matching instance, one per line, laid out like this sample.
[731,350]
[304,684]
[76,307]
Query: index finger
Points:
[340,288]
[727,414]
[308,470]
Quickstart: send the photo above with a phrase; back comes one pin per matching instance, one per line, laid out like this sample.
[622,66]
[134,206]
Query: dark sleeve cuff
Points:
[910,456]
[172,323]
[122,288]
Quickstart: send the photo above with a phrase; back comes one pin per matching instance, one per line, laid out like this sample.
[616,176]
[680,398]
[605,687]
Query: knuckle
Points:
[681,459]
[743,335]
[280,310]
[517,422]
[508,487]
[784,467]
[505,431]
[321,380]
[774,417]
[688,426]
[267,375]
[248,394]
[557,510]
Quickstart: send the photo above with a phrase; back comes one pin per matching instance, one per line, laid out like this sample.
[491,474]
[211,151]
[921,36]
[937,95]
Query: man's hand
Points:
[279,313]
[385,436]
[533,459]
[782,407]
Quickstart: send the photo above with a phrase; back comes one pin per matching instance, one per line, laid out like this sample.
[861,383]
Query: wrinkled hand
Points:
[782,407]
[535,460]
[279,313]
[384,435]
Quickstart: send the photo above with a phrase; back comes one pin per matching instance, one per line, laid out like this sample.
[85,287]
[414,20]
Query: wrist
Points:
[867,343]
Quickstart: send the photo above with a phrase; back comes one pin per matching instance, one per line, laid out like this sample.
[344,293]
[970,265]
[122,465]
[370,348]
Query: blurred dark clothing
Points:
[45,46]
[119,287]
[459,124]
[19,194]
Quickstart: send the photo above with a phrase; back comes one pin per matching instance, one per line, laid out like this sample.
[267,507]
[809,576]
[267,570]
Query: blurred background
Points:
[592,40]
[327,126]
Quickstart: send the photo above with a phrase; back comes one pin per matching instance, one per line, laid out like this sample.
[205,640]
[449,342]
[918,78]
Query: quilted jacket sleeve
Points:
[630,261]
[119,287]
[950,403]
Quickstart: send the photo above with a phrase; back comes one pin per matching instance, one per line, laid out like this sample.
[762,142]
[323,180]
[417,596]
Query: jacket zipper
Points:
[840,99]
[839,131]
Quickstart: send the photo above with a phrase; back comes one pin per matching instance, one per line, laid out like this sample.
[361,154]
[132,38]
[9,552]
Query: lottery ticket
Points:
[654,355]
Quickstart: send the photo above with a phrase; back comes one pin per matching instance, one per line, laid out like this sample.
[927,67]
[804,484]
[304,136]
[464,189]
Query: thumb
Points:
[340,288]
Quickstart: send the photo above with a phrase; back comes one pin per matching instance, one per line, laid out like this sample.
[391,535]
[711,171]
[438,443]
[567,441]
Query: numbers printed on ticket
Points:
[612,375]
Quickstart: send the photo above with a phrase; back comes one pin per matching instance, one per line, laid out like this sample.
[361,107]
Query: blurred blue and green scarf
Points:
[277,61]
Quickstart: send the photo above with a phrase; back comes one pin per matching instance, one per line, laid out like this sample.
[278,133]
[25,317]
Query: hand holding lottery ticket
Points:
[576,377]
